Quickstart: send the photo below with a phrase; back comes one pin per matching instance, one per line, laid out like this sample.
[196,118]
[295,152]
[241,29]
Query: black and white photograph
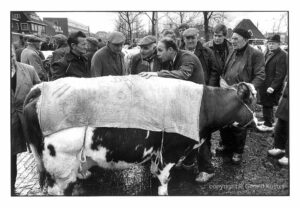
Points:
[147,103]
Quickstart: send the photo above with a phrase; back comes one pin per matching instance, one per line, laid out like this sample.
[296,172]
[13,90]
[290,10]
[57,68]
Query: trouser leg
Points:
[226,139]
[268,115]
[281,134]
[239,136]
[204,158]
[13,172]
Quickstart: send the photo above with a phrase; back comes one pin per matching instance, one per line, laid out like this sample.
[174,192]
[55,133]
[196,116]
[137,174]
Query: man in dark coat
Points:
[204,54]
[146,60]
[281,131]
[109,60]
[244,64]
[183,64]
[270,91]
[220,45]
[74,63]
[47,46]
[23,77]
[92,47]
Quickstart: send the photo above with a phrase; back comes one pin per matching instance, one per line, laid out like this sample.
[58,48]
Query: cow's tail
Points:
[35,136]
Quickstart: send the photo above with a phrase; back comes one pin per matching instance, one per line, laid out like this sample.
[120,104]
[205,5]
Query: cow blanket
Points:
[155,104]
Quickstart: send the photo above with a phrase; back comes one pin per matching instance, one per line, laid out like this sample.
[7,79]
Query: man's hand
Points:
[270,90]
[148,74]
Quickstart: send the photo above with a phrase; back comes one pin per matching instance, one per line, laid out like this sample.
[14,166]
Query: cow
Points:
[66,155]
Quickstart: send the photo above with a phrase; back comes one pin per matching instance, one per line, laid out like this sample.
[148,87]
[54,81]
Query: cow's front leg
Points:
[162,172]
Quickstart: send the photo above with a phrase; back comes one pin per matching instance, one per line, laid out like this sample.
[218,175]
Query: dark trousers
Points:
[233,139]
[13,172]
[281,135]
[204,157]
[268,115]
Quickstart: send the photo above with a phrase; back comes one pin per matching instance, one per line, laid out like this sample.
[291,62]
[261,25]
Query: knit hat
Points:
[242,32]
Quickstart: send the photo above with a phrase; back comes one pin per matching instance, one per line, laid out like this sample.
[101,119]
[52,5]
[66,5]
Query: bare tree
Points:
[177,18]
[129,23]
[153,17]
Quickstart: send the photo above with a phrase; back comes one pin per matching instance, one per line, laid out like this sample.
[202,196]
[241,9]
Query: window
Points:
[24,26]
[16,26]
[32,27]
[17,16]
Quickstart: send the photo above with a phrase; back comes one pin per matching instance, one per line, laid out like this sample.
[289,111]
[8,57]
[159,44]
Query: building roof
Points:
[33,17]
[247,24]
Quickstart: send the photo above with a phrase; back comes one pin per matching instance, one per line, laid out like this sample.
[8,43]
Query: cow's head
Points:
[246,95]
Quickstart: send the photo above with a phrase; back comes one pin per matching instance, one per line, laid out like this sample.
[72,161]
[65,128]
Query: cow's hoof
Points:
[203,177]
[84,174]
[163,190]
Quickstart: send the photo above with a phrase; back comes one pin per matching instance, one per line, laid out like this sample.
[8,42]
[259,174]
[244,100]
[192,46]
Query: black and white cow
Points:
[63,156]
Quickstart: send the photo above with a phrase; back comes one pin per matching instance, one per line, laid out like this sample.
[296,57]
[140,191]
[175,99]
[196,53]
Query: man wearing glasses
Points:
[109,60]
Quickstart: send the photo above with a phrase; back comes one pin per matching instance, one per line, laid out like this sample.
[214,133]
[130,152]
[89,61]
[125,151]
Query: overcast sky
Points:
[105,21]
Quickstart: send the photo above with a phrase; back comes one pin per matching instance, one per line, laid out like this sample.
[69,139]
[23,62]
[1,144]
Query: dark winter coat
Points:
[186,67]
[26,77]
[89,55]
[59,53]
[283,107]
[70,66]
[105,62]
[138,65]
[209,64]
[246,66]
[229,49]
[276,69]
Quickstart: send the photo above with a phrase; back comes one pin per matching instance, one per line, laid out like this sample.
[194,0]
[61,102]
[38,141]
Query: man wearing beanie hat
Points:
[109,60]
[146,60]
[31,56]
[244,64]
[270,91]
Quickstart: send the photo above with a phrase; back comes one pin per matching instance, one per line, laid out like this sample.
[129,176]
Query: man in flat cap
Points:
[31,56]
[61,47]
[204,54]
[276,70]
[92,47]
[211,76]
[146,60]
[244,64]
[74,63]
[181,29]
[109,60]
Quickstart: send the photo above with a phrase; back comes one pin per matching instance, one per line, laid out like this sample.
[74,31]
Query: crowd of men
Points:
[218,61]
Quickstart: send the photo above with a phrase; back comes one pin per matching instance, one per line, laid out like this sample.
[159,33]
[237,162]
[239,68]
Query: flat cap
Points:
[242,32]
[93,40]
[33,38]
[116,38]
[183,25]
[60,37]
[149,39]
[190,32]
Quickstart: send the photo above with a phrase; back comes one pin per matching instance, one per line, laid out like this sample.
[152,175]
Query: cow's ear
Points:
[244,92]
